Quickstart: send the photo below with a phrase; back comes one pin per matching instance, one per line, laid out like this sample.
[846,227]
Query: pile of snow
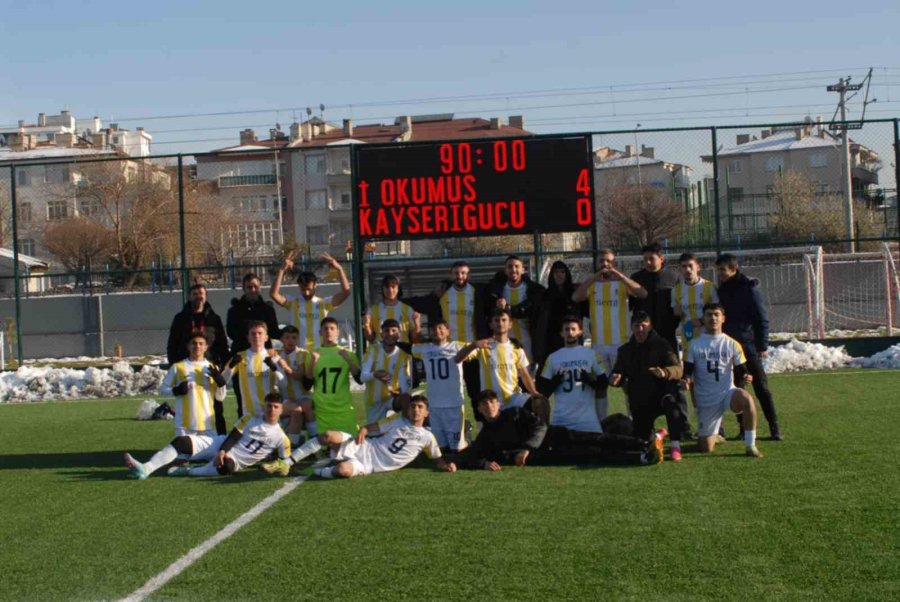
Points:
[889,358]
[798,355]
[43,383]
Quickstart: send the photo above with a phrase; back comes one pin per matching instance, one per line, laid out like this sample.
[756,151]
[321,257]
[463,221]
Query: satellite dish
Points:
[321,107]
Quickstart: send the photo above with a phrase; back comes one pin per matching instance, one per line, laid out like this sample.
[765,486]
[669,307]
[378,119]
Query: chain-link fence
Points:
[94,241]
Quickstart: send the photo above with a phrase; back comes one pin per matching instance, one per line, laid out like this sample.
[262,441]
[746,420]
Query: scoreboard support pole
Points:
[538,253]
[356,263]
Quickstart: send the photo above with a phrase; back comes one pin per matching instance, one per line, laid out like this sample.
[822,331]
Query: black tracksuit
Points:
[747,322]
[186,323]
[515,430]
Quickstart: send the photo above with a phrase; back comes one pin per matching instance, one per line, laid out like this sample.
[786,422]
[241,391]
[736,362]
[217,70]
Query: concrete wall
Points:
[75,325]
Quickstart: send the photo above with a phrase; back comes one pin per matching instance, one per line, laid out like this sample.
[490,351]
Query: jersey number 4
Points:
[712,366]
[323,376]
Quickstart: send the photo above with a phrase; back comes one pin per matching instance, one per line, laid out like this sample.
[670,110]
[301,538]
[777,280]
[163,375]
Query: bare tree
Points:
[78,242]
[635,215]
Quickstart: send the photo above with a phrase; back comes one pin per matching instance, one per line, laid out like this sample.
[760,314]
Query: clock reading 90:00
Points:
[480,187]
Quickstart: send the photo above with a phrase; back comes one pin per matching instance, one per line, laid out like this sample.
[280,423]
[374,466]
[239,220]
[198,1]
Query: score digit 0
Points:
[501,155]
[583,212]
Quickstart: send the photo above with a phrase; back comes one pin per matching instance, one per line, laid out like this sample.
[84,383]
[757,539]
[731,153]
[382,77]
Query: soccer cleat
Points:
[178,471]
[753,452]
[136,468]
[675,454]
[776,434]
[720,439]
[655,451]
[661,434]
[277,467]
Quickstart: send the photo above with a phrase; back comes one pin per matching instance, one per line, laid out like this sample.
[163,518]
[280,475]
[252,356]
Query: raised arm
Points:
[466,351]
[581,293]
[634,289]
[275,291]
[340,296]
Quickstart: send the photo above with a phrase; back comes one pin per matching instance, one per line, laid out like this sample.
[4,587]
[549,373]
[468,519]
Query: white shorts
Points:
[608,354]
[205,446]
[517,400]
[447,424]
[709,415]
[352,452]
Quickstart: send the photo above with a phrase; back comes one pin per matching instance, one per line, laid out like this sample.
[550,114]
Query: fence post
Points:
[184,280]
[897,176]
[715,156]
[16,284]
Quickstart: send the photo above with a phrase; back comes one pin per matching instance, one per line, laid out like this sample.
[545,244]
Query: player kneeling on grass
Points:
[708,368]
[295,387]
[400,440]
[252,440]
[198,388]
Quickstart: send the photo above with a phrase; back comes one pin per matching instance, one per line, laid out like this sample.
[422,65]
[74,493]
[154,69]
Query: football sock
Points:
[307,449]
[325,473]
[312,429]
[207,470]
[749,438]
[166,455]
[675,444]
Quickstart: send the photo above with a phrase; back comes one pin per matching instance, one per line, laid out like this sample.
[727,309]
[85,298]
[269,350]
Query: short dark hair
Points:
[274,397]
[390,323]
[606,251]
[713,307]
[257,324]
[248,277]
[196,287]
[688,257]
[419,398]
[500,311]
[389,279]
[198,334]
[307,278]
[508,257]
[486,395]
[653,247]
[328,320]
[289,329]
[441,322]
[728,260]
[640,316]
[569,319]
[459,264]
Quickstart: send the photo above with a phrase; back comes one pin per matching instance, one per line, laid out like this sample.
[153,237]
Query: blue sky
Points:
[126,60]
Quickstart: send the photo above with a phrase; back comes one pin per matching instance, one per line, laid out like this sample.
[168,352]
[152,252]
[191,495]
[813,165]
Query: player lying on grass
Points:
[252,440]
[198,388]
[518,436]
[712,361]
[400,439]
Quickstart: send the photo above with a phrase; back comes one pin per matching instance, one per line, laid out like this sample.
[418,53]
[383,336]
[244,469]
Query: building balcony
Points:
[253,180]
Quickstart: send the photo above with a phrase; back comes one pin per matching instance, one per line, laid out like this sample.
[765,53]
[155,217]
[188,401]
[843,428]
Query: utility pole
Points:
[842,87]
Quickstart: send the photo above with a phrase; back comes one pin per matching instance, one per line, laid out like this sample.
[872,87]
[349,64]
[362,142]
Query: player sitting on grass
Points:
[712,361]
[401,439]
[252,440]
[385,372]
[257,369]
[295,388]
[444,378]
[199,389]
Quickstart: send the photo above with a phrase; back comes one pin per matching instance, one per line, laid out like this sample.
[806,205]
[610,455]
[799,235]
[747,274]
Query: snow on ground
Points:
[799,355]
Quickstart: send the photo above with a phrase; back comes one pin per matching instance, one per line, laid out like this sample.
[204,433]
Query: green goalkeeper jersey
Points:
[332,400]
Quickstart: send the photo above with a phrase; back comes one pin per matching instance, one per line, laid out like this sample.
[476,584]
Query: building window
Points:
[254,204]
[818,160]
[26,246]
[89,207]
[56,174]
[345,165]
[23,213]
[250,180]
[735,194]
[316,199]
[822,189]
[57,210]
[343,233]
[23,178]
[774,163]
[317,235]
[314,163]
[255,236]
[735,166]
[344,200]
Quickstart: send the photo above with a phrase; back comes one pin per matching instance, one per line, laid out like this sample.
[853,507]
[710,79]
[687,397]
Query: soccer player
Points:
[391,308]
[690,293]
[256,369]
[502,363]
[572,374]
[607,295]
[306,309]
[402,438]
[748,324]
[252,440]
[713,361]
[507,436]
[522,297]
[386,374]
[460,305]
[294,388]
[330,370]
[199,389]
[444,378]
[648,366]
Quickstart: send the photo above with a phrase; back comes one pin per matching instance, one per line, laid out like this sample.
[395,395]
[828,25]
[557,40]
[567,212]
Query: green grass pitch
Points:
[817,519]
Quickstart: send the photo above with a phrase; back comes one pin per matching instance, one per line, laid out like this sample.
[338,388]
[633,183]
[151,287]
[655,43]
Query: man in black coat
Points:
[748,324]
[197,316]
[250,307]
[507,436]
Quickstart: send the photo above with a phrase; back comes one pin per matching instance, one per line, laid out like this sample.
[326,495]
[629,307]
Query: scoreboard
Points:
[484,187]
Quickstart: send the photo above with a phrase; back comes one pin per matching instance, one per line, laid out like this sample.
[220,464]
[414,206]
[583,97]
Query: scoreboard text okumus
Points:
[474,188]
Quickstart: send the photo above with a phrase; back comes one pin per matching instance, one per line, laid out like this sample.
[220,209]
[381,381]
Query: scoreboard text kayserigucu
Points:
[474,187]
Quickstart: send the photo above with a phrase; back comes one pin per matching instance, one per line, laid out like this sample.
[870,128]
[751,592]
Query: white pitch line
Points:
[195,554]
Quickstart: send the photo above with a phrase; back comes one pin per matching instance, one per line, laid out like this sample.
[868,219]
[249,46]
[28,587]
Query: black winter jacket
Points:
[186,323]
[243,311]
[746,319]
[515,430]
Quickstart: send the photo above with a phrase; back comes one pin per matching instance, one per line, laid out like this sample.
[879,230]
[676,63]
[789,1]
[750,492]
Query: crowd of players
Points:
[509,345]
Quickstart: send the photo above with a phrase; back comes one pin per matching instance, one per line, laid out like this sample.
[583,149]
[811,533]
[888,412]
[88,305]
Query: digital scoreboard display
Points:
[478,187]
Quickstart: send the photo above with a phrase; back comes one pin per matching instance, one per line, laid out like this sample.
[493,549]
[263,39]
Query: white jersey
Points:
[291,387]
[442,374]
[520,326]
[714,358]
[193,410]
[379,396]
[256,380]
[398,446]
[259,439]
[689,299]
[610,314]
[458,309]
[306,315]
[574,408]
[499,368]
